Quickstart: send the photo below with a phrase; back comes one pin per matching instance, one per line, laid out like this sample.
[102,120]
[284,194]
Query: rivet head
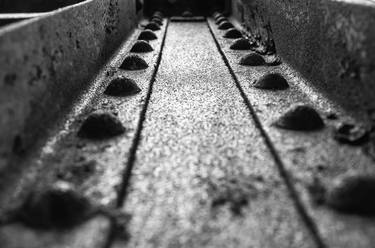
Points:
[217,15]
[271,81]
[147,35]
[225,25]
[353,194]
[220,20]
[141,46]
[133,62]
[187,14]
[56,207]
[156,17]
[300,118]
[101,125]
[351,134]
[122,86]
[241,44]
[252,59]
[159,13]
[152,26]
[233,34]
[157,21]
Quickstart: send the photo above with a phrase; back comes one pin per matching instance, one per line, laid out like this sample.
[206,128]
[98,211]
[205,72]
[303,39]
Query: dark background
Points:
[177,7]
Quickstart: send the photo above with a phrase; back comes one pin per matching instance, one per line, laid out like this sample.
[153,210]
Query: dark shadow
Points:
[177,7]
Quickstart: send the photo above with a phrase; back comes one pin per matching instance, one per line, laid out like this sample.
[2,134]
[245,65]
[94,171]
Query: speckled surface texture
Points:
[95,168]
[203,176]
[330,42]
[200,163]
[307,156]
[47,62]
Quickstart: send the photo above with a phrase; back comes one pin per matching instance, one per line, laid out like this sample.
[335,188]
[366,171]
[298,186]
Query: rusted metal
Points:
[189,142]
[301,156]
[47,61]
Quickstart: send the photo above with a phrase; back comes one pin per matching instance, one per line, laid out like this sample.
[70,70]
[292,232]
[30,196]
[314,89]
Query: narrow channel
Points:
[202,175]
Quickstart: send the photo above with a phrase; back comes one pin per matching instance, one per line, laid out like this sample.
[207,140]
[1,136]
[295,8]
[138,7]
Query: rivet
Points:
[353,194]
[261,50]
[217,15]
[133,62]
[271,81]
[159,13]
[157,21]
[241,44]
[220,20]
[56,207]
[351,134]
[300,118]
[122,86]
[187,14]
[101,125]
[225,25]
[141,46]
[252,59]
[152,26]
[156,17]
[147,35]
[233,34]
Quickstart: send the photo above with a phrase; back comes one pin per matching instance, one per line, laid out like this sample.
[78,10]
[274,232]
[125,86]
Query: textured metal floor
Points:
[200,164]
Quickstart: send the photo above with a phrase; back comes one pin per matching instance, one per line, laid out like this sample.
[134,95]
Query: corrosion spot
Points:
[332,116]
[147,35]
[353,194]
[133,62]
[10,79]
[225,25]
[152,26]
[56,207]
[101,125]
[300,118]
[351,134]
[122,86]
[77,172]
[252,59]
[233,34]
[271,81]
[273,60]
[141,46]
[18,146]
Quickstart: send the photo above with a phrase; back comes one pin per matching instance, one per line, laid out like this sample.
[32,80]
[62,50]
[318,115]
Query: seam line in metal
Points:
[122,194]
[133,150]
[280,165]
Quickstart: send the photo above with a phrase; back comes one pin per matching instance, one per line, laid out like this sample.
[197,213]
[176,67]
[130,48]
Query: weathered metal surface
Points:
[47,61]
[89,235]
[202,175]
[307,157]
[206,164]
[94,167]
[329,42]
